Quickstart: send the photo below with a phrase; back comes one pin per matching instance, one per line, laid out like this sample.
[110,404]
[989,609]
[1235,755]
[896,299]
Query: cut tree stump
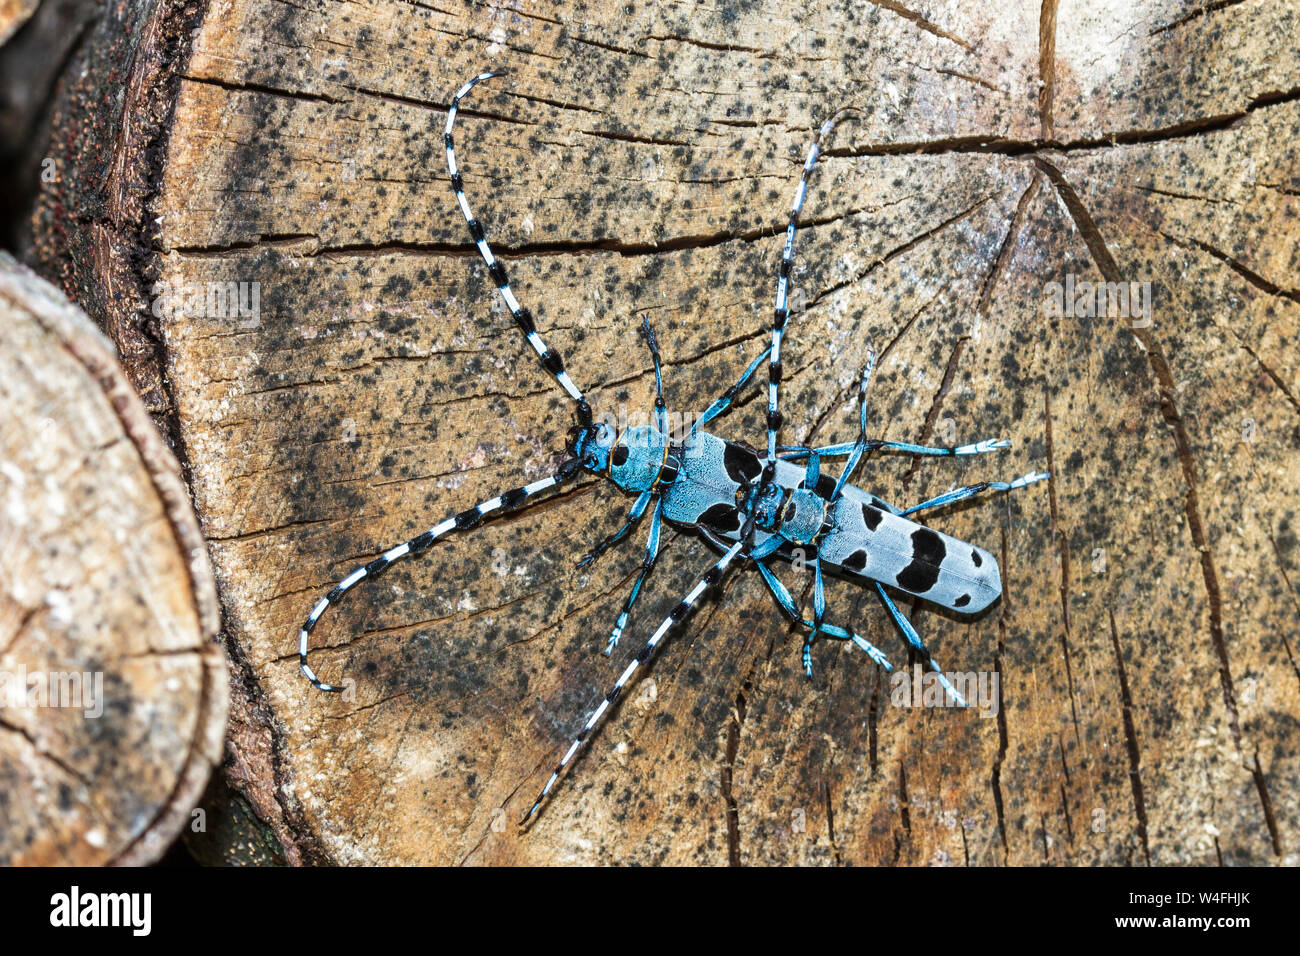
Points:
[639,159]
[113,704]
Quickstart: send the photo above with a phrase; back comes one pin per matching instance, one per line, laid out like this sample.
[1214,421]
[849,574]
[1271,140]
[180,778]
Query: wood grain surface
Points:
[638,160]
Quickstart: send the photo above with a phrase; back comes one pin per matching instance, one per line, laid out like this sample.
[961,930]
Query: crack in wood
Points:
[558,247]
[547,101]
[1130,737]
[928,26]
[1152,190]
[1195,14]
[1267,803]
[836,855]
[904,804]
[1286,579]
[1008,247]
[44,754]
[1272,374]
[729,770]
[1243,270]
[1046,68]
[1043,148]
[1167,392]
[711,45]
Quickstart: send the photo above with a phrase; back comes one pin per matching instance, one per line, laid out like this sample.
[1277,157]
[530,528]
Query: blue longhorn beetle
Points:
[748,504]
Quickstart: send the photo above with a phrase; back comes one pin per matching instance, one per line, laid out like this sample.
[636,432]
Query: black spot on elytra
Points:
[855,561]
[721,518]
[870,517]
[975,558]
[741,463]
[961,601]
[923,571]
[825,485]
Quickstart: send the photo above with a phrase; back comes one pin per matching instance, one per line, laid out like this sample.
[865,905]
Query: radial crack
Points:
[1130,736]
[1167,391]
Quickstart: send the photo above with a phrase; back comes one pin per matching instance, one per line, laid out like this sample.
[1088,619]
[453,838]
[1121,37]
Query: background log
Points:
[13,14]
[114,697]
[639,159]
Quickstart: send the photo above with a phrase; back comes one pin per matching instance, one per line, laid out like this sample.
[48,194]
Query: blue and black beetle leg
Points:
[550,358]
[647,565]
[786,601]
[724,402]
[969,491]
[679,613]
[834,631]
[819,615]
[976,448]
[513,500]
[661,407]
[661,420]
[914,639]
[800,452]
[638,509]
[813,470]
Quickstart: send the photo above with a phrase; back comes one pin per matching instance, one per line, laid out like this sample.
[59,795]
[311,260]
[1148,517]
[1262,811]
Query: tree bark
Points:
[640,159]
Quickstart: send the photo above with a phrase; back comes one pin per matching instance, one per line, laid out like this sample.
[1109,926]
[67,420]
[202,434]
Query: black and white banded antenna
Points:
[550,358]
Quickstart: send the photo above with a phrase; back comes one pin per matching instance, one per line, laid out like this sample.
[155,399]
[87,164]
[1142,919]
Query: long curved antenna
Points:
[702,584]
[783,283]
[550,358]
[512,500]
